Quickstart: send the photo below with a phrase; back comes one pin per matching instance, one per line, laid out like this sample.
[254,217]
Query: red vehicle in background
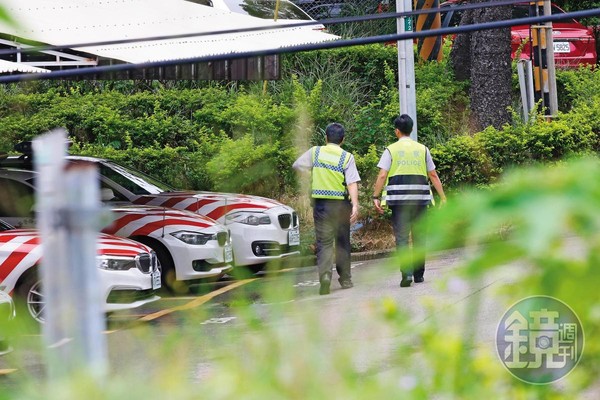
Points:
[574,43]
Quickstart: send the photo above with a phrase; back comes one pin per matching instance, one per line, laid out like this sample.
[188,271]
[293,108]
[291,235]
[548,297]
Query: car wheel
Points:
[31,295]
[246,271]
[168,274]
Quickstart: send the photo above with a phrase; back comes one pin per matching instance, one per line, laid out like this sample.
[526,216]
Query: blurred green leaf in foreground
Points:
[542,224]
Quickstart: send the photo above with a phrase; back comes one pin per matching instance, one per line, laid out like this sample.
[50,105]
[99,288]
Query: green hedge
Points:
[239,137]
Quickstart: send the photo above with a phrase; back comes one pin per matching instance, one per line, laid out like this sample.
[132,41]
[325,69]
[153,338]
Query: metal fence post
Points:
[68,201]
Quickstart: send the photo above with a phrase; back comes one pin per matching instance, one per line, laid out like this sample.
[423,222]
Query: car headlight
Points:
[196,238]
[116,263]
[249,218]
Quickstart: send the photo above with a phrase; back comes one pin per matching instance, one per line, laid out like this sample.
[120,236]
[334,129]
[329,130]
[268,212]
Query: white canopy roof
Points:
[65,22]
[7,67]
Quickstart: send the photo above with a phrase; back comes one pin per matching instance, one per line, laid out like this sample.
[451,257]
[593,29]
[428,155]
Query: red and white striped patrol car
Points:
[128,271]
[189,246]
[262,229]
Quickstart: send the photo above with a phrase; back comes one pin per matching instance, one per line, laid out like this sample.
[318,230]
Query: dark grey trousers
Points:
[332,226]
[404,218]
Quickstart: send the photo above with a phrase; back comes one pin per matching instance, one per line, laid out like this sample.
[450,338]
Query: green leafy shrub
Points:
[504,147]
[259,117]
[442,103]
[286,349]
[577,86]
[462,162]
[363,64]
[374,122]
[244,166]
[177,167]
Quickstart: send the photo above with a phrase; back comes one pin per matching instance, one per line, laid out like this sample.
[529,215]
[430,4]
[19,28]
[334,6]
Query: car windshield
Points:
[136,182]
[4,226]
[266,9]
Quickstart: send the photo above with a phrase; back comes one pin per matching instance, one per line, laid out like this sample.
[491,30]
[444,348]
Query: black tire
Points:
[246,271]
[169,282]
[256,268]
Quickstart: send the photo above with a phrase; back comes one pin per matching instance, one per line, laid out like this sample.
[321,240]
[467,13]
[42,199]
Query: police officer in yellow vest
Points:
[334,192]
[405,167]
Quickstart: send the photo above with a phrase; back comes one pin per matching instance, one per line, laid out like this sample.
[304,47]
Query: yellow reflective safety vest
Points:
[407,181]
[328,179]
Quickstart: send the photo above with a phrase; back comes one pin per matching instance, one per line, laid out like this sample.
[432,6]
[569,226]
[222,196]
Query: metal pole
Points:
[411,98]
[69,205]
[401,60]
[530,85]
[523,86]
[551,64]
[406,66]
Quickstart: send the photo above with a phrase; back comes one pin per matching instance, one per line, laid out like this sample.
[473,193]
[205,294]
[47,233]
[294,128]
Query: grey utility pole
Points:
[406,66]
[551,64]
[69,208]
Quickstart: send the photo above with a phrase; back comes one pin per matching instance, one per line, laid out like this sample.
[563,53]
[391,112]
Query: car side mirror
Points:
[106,194]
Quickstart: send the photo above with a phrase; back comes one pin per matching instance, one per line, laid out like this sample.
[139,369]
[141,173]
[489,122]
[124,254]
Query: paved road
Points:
[352,316]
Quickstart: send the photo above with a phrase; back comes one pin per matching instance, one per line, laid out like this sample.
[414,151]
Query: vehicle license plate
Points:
[562,47]
[294,237]
[228,254]
[156,280]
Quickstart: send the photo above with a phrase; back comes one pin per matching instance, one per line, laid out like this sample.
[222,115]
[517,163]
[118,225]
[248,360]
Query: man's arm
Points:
[437,184]
[379,182]
[304,162]
[353,191]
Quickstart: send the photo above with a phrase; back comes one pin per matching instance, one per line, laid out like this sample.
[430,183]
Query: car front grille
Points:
[147,262]
[284,220]
[287,221]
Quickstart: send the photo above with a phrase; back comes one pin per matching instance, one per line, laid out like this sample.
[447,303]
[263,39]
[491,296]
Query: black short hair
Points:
[335,133]
[404,124]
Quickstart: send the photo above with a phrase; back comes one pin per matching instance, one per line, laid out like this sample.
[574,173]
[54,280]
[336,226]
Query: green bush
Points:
[374,122]
[577,86]
[363,64]
[178,167]
[505,147]
[356,86]
[244,166]
[462,162]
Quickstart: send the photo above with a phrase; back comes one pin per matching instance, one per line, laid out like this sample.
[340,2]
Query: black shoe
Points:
[346,284]
[325,281]
[419,279]
[406,281]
